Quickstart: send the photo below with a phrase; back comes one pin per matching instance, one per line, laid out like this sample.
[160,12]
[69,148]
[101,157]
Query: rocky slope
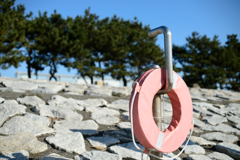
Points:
[54,120]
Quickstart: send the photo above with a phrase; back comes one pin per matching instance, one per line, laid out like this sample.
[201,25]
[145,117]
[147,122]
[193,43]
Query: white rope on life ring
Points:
[142,122]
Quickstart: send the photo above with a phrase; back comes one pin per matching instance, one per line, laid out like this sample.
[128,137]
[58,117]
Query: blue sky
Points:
[208,17]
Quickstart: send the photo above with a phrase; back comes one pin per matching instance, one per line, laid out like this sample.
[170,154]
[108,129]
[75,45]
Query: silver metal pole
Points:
[168,53]
[157,118]
[169,77]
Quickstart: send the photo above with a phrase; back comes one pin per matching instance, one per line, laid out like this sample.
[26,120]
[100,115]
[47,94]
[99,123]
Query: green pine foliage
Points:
[206,62]
[232,63]
[11,33]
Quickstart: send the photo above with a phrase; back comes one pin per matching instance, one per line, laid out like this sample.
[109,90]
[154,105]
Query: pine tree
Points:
[143,50]
[33,60]
[52,40]
[232,64]
[81,44]
[202,61]
[12,21]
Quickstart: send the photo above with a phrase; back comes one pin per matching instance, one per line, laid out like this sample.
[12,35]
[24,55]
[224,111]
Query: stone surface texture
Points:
[69,142]
[21,141]
[20,124]
[65,121]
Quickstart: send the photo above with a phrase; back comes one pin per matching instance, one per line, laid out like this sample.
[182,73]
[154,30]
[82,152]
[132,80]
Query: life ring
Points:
[144,127]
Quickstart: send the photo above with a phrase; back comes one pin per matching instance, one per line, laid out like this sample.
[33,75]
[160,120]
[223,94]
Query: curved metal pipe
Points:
[168,53]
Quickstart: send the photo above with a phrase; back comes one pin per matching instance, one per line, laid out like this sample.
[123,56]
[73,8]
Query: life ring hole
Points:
[162,115]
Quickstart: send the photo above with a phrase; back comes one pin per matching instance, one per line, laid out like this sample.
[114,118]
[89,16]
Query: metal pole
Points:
[157,118]
[169,76]
[168,53]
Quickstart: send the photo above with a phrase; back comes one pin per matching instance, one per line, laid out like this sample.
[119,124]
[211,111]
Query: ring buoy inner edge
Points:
[136,91]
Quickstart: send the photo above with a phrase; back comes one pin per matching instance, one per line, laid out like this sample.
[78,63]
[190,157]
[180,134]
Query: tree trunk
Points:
[91,79]
[29,69]
[29,63]
[102,75]
[124,81]
[84,80]
[53,70]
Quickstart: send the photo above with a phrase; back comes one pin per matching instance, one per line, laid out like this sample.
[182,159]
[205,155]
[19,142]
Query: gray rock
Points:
[196,130]
[21,141]
[121,102]
[9,110]
[219,156]
[120,107]
[6,90]
[219,106]
[1,99]
[233,108]
[57,99]
[218,136]
[69,142]
[105,116]
[73,93]
[97,102]
[102,142]
[196,114]
[57,111]
[76,88]
[120,92]
[201,141]
[69,104]
[221,128]
[238,126]
[198,98]
[127,150]
[204,105]
[229,97]
[125,116]
[118,134]
[54,156]
[94,90]
[217,111]
[124,125]
[192,148]
[30,100]
[97,155]
[197,157]
[20,124]
[214,120]
[230,149]
[88,127]
[106,111]
[49,87]
[10,102]
[214,99]
[20,155]
[43,110]
[199,107]
[39,119]
[233,119]
[195,92]
[91,109]
[206,92]
[18,91]
[170,155]
[20,85]
[198,123]
[62,102]
[105,119]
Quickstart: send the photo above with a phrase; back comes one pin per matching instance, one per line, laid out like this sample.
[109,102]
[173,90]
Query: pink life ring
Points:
[145,129]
